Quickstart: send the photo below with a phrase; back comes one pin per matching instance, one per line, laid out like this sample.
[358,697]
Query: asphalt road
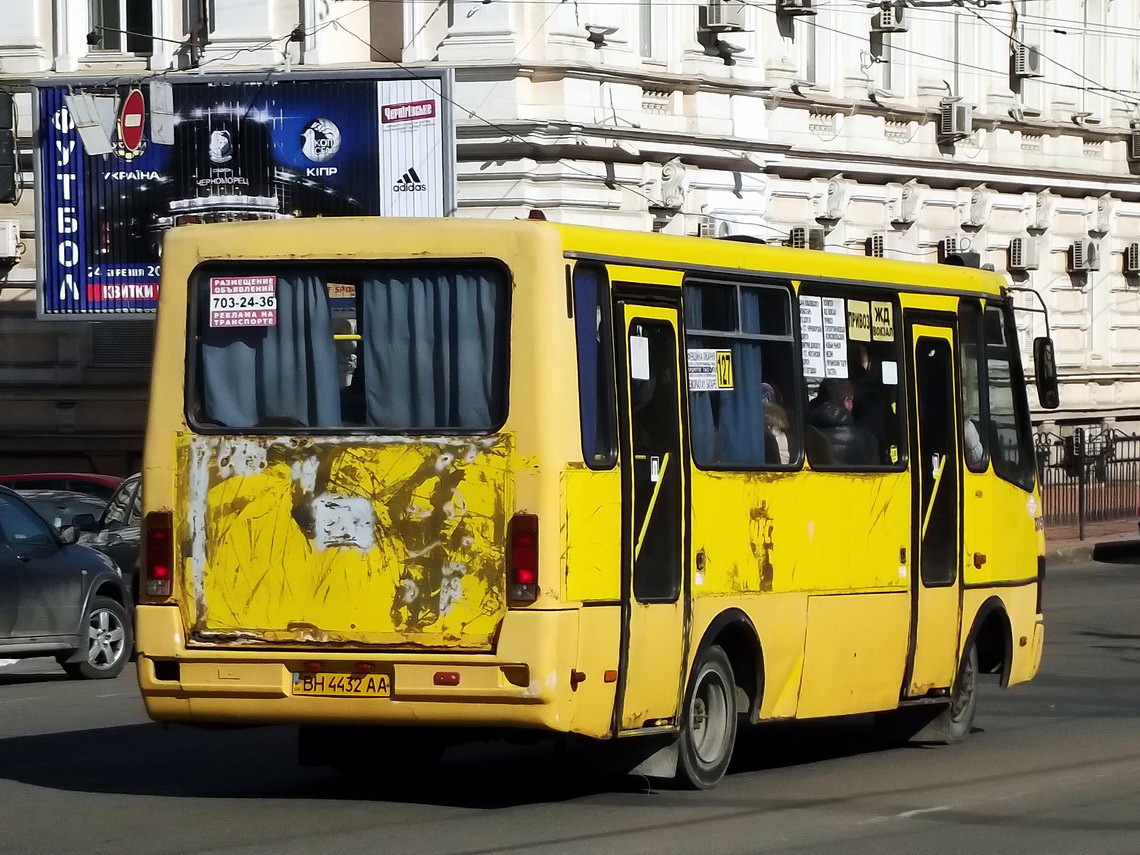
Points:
[1053,766]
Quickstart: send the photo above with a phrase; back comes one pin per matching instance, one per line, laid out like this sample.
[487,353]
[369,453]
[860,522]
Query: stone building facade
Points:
[1008,129]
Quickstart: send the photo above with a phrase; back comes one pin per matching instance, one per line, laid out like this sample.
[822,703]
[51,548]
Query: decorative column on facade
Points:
[247,28]
[481,32]
[70,19]
[26,46]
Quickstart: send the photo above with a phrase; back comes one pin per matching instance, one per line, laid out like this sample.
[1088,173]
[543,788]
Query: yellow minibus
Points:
[406,478]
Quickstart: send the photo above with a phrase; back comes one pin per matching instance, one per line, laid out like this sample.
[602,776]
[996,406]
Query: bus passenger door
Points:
[936,517]
[653,503]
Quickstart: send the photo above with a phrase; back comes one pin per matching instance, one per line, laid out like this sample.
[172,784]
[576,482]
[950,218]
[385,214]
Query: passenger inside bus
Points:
[871,406]
[776,425]
[830,413]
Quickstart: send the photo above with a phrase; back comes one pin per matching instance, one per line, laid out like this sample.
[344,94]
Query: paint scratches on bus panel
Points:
[354,540]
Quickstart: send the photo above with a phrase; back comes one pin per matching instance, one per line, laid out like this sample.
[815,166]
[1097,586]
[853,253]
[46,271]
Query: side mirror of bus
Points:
[1045,373]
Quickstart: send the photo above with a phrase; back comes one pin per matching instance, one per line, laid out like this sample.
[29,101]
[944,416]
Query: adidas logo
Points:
[409,181]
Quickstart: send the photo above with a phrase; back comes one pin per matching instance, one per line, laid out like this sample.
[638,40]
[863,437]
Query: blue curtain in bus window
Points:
[434,348]
[595,376]
[727,426]
[283,375]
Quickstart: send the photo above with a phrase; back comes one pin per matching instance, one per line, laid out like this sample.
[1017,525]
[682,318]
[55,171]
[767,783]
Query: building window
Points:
[645,27]
[123,26]
[198,16]
[806,39]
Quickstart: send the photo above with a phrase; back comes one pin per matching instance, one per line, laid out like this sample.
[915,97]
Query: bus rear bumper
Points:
[512,688]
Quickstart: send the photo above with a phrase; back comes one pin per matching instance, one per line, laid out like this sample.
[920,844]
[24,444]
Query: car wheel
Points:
[708,722]
[109,641]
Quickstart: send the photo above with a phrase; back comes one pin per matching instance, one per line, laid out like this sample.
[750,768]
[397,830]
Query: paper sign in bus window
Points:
[724,370]
[882,321]
[834,337]
[639,357]
[859,320]
[243,301]
[702,369]
[811,335]
[709,370]
[890,373]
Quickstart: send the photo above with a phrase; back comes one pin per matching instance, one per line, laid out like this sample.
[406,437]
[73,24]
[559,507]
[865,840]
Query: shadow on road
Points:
[150,759]
[17,679]
[1117,552]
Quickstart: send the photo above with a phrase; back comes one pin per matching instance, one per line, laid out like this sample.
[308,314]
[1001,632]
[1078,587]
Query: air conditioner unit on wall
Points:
[889,19]
[1134,146]
[795,7]
[1024,253]
[1084,255]
[1027,61]
[9,239]
[1131,261]
[950,245]
[724,15]
[876,245]
[802,237]
[955,121]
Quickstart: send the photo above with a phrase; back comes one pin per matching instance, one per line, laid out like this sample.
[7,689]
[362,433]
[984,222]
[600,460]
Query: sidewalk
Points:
[1063,545]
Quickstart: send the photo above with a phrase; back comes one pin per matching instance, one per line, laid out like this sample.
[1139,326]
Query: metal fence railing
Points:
[1091,476]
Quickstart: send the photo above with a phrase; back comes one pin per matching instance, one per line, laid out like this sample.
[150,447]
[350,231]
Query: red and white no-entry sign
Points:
[132,118]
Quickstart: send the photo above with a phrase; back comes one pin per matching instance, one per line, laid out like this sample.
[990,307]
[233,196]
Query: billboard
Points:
[245,147]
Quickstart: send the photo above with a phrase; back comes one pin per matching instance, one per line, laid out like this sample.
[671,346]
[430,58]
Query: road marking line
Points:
[908,814]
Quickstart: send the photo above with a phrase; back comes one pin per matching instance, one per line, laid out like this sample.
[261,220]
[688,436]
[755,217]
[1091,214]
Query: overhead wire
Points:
[1108,92]
[1100,87]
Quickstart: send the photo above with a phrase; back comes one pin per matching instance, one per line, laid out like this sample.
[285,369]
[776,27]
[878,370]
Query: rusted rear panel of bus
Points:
[368,541]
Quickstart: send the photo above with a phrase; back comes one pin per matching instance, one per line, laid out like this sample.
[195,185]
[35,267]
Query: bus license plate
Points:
[343,685]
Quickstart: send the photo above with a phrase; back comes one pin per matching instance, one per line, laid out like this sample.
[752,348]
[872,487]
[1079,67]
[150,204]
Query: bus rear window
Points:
[403,347]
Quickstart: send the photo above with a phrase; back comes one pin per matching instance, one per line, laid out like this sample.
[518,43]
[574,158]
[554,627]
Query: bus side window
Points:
[1007,429]
[743,376]
[850,348]
[975,437]
[596,389]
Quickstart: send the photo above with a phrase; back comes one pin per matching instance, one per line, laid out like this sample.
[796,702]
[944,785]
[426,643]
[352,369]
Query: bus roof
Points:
[344,237]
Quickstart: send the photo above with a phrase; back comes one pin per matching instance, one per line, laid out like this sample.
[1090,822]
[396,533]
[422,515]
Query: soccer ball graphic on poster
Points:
[320,141]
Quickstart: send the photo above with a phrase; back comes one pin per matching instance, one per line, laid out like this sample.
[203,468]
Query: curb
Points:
[1094,550]
[1070,554]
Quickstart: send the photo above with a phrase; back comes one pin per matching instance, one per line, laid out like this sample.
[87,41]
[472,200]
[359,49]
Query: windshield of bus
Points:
[398,347]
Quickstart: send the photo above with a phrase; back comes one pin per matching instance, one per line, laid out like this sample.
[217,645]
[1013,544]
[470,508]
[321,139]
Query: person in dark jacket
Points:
[871,407]
[850,443]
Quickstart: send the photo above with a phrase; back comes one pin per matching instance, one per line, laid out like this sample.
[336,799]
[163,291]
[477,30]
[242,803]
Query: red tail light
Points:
[522,559]
[159,567]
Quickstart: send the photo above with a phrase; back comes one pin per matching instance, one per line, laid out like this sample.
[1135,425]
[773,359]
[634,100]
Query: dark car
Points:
[58,598]
[61,507]
[78,482]
[116,532]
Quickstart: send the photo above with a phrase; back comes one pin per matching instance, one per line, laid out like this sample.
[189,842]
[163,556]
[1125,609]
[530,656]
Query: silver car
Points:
[58,598]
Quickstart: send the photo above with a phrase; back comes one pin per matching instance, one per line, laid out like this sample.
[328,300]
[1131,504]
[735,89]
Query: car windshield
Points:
[60,509]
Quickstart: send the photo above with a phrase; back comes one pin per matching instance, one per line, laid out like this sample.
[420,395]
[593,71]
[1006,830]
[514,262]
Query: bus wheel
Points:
[708,722]
[955,722]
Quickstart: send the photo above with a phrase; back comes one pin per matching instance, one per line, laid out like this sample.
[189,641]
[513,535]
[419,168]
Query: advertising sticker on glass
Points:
[243,301]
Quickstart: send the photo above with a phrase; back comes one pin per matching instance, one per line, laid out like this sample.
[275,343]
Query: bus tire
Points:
[955,722]
[708,722]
